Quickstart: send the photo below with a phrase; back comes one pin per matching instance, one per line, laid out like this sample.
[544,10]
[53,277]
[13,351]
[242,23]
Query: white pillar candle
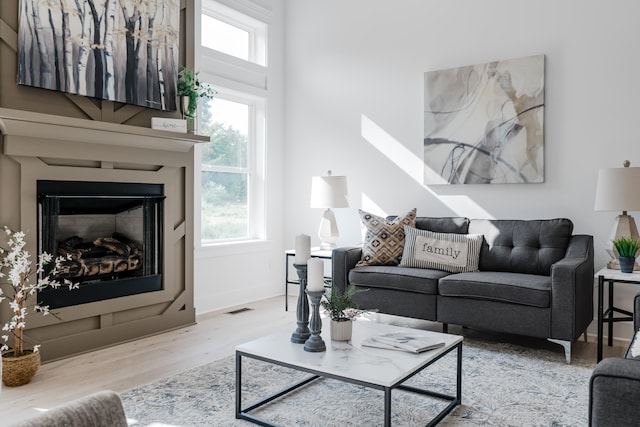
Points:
[315,275]
[303,249]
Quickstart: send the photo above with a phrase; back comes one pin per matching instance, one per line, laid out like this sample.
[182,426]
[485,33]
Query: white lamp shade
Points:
[329,192]
[618,189]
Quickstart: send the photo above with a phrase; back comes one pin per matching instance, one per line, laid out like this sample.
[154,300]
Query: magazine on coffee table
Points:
[412,342]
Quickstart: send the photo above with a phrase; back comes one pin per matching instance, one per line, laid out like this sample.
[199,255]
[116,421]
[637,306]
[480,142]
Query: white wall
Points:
[354,81]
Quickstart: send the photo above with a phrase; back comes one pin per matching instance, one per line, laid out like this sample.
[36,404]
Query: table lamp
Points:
[617,190]
[328,192]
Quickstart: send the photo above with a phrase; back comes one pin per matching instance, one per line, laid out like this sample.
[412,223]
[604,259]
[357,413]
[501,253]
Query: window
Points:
[232,164]
[226,171]
[233,33]
[225,38]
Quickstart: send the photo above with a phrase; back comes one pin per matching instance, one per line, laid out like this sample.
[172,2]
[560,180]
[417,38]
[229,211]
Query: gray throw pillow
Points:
[455,253]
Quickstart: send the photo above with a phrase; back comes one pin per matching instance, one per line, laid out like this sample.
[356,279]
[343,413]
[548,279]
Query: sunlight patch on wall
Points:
[368,205]
[432,176]
[392,149]
[413,166]
[462,205]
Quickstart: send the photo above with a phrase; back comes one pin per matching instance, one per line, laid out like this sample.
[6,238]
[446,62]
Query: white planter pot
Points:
[341,331]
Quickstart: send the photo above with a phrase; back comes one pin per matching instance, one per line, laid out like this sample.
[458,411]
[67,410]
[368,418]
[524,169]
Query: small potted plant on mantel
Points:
[627,249]
[342,311]
[20,363]
[190,88]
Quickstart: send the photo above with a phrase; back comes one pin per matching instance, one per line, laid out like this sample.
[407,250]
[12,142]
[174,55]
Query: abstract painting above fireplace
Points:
[124,51]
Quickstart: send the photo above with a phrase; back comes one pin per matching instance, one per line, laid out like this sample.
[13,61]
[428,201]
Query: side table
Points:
[612,276]
[315,253]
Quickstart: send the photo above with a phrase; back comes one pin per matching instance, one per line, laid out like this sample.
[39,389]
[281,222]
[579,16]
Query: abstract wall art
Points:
[484,124]
[117,50]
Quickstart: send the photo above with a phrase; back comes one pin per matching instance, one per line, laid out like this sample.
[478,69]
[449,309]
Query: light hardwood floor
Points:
[215,336]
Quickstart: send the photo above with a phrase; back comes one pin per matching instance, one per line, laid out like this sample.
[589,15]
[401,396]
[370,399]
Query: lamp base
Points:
[625,226]
[328,230]
[328,246]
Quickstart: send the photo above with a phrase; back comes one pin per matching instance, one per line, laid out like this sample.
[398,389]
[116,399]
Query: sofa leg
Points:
[567,348]
[445,328]
[585,336]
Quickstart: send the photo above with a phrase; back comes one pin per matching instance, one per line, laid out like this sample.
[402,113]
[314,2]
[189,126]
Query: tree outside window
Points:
[225,171]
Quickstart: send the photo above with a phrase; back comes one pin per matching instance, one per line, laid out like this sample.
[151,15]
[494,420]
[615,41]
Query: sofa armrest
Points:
[614,393]
[636,312]
[572,290]
[342,261]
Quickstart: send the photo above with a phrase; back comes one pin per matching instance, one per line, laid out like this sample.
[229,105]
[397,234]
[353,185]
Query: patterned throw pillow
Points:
[455,253]
[383,238]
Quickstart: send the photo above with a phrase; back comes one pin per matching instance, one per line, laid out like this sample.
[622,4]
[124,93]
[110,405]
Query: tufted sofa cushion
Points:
[513,288]
[421,280]
[519,246]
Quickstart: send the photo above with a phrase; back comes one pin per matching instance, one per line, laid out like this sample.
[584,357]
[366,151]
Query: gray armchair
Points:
[614,390]
[101,409]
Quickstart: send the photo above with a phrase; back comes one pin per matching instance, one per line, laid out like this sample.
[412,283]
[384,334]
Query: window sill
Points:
[232,248]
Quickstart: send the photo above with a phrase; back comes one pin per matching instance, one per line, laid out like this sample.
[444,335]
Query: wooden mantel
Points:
[18,125]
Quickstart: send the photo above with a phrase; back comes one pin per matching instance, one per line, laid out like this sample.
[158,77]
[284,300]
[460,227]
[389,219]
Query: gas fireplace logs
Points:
[104,256]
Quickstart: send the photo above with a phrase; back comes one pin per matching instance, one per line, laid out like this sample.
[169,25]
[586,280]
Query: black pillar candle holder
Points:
[301,334]
[315,343]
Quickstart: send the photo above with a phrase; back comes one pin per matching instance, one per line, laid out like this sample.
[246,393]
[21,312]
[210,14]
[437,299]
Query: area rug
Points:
[502,385]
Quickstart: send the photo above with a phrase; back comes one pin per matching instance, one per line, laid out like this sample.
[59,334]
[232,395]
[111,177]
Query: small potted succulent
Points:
[342,311]
[190,88]
[627,248]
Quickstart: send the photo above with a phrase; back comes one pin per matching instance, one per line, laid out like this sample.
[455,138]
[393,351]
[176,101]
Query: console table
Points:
[612,277]
[315,253]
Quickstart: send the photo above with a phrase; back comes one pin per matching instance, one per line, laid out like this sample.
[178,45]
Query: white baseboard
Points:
[622,332]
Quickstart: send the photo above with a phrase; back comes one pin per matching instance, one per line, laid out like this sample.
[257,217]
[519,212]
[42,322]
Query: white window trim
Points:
[255,170]
[248,84]
[256,29]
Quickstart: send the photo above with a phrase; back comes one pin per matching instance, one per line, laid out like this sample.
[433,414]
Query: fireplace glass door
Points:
[110,235]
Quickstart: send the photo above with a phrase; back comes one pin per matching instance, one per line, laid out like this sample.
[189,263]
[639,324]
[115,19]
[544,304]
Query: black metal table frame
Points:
[288,282]
[607,316]
[243,413]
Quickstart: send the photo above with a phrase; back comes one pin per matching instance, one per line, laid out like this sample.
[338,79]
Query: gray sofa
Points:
[614,389]
[535,278]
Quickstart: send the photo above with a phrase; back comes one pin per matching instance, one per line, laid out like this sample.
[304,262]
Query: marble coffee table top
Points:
[350,359]
[610,274]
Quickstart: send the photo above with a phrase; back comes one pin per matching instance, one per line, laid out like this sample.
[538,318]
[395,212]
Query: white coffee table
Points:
[351,362]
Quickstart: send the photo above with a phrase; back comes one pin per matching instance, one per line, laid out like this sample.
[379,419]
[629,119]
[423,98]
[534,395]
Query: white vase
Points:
[341,330]
[183,103]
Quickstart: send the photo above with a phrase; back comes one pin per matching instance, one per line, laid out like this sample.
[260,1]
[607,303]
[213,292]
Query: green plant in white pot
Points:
[190,89]
[342,311]
[627,249]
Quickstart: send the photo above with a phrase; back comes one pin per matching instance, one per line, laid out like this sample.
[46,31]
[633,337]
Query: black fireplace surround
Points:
[112,263]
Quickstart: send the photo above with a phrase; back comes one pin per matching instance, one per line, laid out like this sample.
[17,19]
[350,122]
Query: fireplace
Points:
[69,183]
[109,233]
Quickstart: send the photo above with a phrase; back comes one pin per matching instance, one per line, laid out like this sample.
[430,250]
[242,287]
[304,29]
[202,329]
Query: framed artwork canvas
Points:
[118,50]
[484,124]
